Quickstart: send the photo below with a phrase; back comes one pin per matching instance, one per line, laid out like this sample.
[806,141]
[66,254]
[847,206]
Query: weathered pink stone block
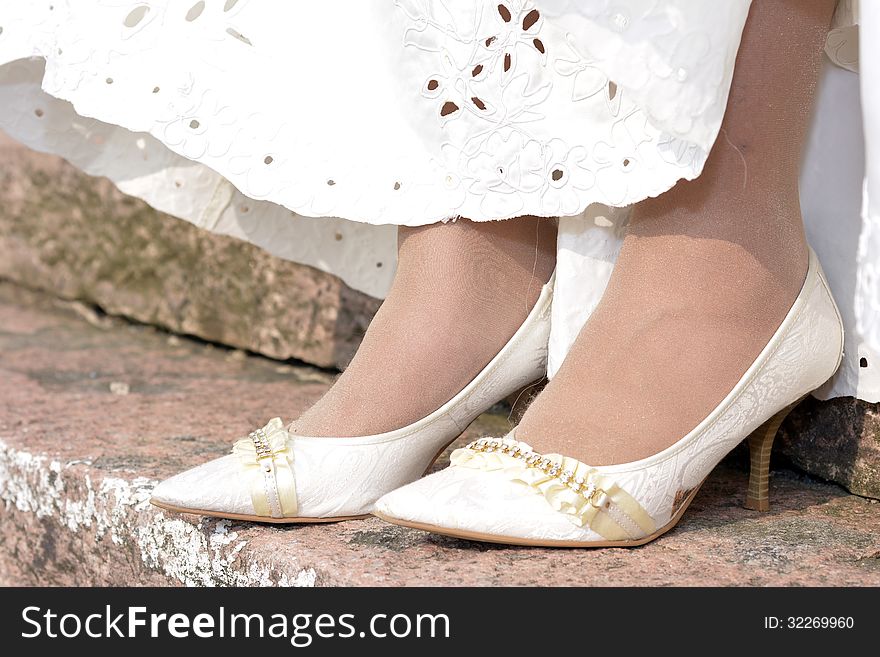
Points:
[78,237]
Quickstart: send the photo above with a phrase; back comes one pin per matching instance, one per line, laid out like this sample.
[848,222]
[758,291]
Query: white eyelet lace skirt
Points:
[312,128]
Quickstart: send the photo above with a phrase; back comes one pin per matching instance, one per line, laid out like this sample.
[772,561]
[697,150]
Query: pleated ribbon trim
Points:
[266,458]
[580,492]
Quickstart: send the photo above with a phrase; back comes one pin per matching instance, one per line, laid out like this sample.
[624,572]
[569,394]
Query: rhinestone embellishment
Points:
[261,445]
[589,491]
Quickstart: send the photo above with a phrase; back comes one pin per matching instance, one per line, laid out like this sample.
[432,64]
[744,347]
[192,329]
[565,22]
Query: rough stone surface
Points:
[838,440]
[80,238]
[93,413]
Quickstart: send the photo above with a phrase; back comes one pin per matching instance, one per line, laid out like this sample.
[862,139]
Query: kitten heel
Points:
[760,446]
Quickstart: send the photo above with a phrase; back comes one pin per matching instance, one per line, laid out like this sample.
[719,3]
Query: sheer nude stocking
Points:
[707,271]
[460,292]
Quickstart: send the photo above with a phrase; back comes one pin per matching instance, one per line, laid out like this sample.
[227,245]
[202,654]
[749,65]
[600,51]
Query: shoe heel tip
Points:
[757,505]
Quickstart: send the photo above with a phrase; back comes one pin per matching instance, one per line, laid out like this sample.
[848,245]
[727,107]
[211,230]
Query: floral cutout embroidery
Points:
[494,73]
[587,78]
[518,29]
[455,90]
[500,78]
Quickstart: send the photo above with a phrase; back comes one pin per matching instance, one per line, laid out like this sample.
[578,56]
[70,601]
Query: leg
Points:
[707,271]
[460,292]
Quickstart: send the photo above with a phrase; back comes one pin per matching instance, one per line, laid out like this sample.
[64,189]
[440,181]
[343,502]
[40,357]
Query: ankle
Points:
[493,264]
[461,291]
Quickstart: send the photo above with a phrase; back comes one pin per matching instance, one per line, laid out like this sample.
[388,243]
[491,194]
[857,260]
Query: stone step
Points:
[93,411]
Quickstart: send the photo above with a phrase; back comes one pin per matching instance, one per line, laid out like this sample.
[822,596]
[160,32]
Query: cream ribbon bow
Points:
[266,457]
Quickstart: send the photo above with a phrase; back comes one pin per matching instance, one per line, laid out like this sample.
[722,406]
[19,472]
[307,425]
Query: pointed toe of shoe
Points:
[213,487]
[481,505]
[173,492]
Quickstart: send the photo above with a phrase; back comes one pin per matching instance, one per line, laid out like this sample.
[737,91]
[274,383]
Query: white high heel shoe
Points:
[275,476]
[499,490]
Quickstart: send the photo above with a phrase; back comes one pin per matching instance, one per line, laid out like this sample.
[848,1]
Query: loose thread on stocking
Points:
[741,156]
[534,262]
